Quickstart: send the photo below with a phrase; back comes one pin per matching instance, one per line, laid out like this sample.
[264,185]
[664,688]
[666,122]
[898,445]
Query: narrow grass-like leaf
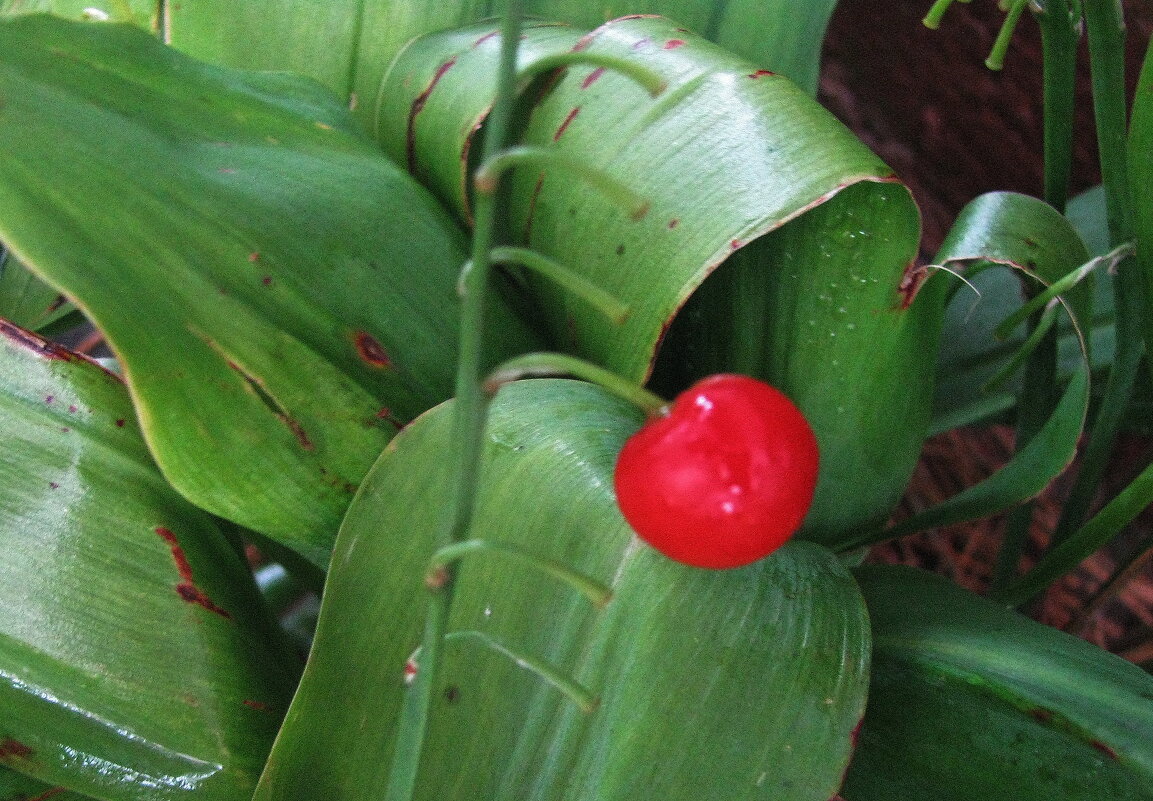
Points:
[703,692]
[969,700]
[98,559]
[280,296]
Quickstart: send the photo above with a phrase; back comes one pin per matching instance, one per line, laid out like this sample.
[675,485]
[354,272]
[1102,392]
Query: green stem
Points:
[647,79]
[592,589]
[469,415]
[542,158]
[570,280]
[996,59]
[937,12]
[1030,347]
[532,365]
[1106,29]
[585,700]
[1059,70]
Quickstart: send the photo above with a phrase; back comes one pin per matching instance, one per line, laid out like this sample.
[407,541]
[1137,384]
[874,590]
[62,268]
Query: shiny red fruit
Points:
[722,480]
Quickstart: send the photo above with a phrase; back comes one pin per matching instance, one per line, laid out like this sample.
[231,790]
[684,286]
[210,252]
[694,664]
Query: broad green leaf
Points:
[968,700]
[1141,178]
[348,44]
[704,693]
[26,300]
[136,659]
[807,235]
[18,787]
[280,296]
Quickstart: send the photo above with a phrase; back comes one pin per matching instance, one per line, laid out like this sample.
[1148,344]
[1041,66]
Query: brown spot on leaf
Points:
[418,106]
[53,485]
[266,280]
[259,706]
[385,414]
[452,693]
[56,304]
[911,281]
[673,223]
[593,77]
[254,257]
[120,422]
[370,350]
[13,749]
[1041,715]
[567,122]
[620,250]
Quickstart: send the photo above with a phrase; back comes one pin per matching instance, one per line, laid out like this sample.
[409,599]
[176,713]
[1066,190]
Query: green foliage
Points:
[277,260]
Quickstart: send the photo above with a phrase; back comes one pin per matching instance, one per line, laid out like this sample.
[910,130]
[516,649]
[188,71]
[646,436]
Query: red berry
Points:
[723,479]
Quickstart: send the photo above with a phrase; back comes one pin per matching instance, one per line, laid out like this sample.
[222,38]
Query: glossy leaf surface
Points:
[136,661]
[703,693]
[806,235]
[271,283]
[969,700]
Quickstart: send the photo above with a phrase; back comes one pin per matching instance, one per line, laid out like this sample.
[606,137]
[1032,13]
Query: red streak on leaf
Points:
[64,429]
[227,170]
[254,257]
[593,77]
[386,414]
[298,431]
[485,38]
[584,42]
[266,280]
[1104,749]
[418,106]
[761,73]
[48,794]
[564,125]
[41,347]
[56,304]
[72,409]
[49,398]
[673,44]
[1041,715]
[370,350]
[911,281]
[532,208]
[641,44]
[13,749]
[259,706]
[673,223]
[735,244]
[53,485]
[187,588]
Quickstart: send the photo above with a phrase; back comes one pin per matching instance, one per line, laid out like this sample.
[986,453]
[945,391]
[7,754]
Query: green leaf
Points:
[26,300]
[99,558]
[968,700]
[807,235]
[18,787]
[271,283]
[143,13]
[348,44]
[1140,179]
[1023,233]
[702,695]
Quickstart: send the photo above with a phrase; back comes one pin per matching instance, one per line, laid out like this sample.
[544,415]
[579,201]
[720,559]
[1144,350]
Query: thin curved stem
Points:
[543,158]
[532,365]
[642,76]
[592,589]
[569,280]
